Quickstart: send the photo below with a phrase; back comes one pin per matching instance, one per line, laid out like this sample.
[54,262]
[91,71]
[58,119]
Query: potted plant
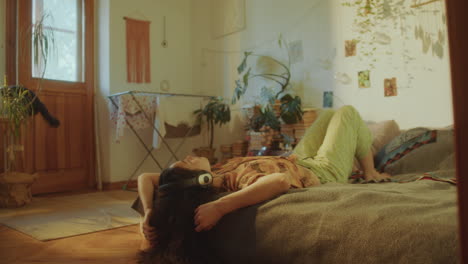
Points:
[278,99]
[216,112]
[278,106]
[16,110]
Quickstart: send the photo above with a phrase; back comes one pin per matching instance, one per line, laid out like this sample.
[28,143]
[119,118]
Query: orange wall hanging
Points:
[138,51]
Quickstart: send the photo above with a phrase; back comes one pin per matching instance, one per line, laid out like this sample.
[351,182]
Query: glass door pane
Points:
[60,57]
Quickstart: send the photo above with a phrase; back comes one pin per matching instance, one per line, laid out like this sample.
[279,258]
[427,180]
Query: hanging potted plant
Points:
[17,106]
[216,112]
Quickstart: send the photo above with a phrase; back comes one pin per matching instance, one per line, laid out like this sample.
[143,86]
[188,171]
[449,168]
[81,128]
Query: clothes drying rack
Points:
[149,150]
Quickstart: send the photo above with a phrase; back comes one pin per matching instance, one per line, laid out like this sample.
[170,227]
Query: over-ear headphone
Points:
[203,179]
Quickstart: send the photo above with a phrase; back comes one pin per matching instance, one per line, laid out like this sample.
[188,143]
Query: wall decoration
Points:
[138,51]
[382,38]
[228,17]
[364,79]
[296,51]
[164,43]
[390,27]
[328,62]
[165,86]
[343,78]
[390,87]
[372,18]
[350,48]
[431,30]
[327,99]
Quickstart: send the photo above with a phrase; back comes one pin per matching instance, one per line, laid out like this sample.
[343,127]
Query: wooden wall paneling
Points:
[76,124]
[458,41]
[10,61]
[90,149]
[29,151]
[10,40]
[59,181]
[2,147]
[40,142]
[61,134]
[52,139]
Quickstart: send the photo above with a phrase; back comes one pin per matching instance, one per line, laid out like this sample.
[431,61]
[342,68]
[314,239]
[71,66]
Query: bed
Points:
[412,219]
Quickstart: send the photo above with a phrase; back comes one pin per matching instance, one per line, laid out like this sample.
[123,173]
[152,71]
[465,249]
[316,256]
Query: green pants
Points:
[330,144]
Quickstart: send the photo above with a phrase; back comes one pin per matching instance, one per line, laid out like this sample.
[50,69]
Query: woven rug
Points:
[48,218]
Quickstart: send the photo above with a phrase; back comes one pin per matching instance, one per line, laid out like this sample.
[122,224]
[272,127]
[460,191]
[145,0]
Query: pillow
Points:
[416,150]
[382,133]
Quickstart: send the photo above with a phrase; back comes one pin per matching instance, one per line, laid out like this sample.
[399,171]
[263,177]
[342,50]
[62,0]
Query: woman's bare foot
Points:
[376,176]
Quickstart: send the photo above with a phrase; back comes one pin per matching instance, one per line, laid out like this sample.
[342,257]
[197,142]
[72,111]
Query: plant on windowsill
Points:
[279,105]
[216,112]
[16,110]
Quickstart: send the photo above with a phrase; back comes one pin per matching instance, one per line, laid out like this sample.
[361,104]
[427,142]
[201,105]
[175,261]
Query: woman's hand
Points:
[148,231]
[207,215]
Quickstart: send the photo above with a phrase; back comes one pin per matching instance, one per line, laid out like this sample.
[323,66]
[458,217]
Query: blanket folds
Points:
[413,222]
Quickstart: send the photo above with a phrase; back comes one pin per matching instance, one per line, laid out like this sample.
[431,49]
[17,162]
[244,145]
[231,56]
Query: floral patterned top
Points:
[243,171]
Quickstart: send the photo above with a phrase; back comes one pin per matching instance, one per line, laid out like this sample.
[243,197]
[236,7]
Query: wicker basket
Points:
[15,189]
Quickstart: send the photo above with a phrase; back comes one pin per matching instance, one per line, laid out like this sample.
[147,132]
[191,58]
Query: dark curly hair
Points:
[173,218]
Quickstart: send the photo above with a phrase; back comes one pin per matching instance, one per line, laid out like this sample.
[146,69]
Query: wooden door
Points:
[62,157]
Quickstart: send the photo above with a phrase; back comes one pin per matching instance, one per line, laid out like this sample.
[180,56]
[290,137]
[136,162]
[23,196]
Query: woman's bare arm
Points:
[147,183]
[266,187]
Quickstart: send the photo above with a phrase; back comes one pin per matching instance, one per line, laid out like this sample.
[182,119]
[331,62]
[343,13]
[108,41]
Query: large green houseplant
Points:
[16,110]
[215,112]
[277,98]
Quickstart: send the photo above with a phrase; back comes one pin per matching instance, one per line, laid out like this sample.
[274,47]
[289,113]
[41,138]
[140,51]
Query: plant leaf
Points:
[291,110]
[243,65]
[238,91]
[246,77]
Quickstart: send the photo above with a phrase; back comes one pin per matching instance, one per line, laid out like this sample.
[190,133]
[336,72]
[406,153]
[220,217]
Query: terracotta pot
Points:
[15,189]
[206,152]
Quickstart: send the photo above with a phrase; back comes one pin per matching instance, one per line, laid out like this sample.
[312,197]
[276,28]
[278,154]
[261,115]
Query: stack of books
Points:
[255,140]
[239,149]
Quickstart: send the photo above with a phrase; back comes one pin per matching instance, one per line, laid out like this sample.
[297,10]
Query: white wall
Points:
[118,160]
[2,40]
[323,26]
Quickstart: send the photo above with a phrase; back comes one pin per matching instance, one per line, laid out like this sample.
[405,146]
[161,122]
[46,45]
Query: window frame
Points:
[25,74]
[80,36]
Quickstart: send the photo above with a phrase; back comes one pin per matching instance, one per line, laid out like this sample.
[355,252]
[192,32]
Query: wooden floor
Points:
[113,246]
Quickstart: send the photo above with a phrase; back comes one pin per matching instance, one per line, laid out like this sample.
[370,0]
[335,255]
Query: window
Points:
[63,19]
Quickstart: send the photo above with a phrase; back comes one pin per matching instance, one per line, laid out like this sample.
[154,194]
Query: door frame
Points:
[457,20]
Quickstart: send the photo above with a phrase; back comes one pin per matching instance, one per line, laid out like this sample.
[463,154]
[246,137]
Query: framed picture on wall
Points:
[228,17]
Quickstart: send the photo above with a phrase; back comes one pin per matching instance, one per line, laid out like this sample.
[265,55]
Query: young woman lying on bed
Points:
[325,154]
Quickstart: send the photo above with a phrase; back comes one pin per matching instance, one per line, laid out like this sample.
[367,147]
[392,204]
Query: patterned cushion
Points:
[402,146]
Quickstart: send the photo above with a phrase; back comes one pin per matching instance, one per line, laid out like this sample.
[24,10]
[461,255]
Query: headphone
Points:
[203,179]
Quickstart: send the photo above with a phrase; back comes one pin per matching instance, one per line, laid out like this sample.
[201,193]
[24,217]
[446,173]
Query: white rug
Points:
[48,218]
